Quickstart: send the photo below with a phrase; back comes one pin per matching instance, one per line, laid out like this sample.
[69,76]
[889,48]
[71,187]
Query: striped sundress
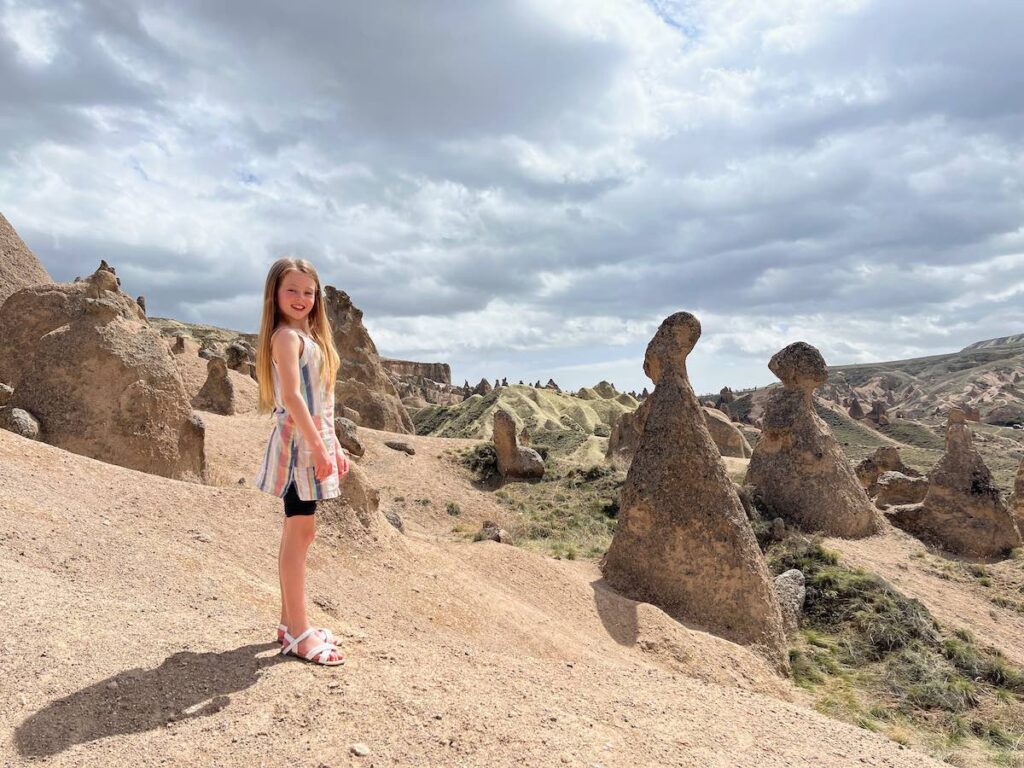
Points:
[287,458]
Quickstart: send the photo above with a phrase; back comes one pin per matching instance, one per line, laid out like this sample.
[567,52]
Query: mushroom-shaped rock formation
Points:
[963,511]
[514,461]
[799,469]
[683,541]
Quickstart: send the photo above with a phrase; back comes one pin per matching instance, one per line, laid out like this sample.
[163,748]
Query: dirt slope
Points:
[138,611]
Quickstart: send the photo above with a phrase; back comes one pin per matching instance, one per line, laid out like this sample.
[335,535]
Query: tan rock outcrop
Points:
[101,381]
[354,519]
[625,435]
[348,436]
[727,436]
[855,411]
[683,541]
[797,464]
[897,488]
[514,461]
[963,511]
[218,393]
[19,421]
[19,267]
[886,458]
[362,384]
[879,415]
[438,372]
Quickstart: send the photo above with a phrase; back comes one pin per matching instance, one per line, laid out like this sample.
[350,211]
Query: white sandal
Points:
[325,634]
[320,654]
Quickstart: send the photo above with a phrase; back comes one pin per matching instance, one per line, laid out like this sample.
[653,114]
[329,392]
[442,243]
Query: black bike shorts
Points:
[293,505]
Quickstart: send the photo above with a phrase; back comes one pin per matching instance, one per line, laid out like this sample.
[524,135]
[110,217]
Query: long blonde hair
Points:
[319,326]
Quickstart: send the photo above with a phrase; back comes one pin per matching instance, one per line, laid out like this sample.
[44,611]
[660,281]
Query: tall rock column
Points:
[362,384]
[800,471]
[683,541]
[963,512]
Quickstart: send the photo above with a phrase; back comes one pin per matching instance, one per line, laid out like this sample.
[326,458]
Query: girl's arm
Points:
[285,349]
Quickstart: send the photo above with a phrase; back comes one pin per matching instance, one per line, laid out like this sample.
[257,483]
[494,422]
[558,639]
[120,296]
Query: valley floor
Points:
[138,613]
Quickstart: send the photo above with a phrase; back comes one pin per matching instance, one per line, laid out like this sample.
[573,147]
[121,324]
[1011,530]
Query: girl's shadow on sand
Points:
[186,685]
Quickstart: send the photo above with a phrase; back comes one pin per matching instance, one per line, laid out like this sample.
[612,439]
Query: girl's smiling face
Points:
[296,296]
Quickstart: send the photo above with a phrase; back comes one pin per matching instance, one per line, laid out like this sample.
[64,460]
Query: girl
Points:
[296,364]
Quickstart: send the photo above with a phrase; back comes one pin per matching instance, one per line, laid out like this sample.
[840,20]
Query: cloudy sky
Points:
[526,189]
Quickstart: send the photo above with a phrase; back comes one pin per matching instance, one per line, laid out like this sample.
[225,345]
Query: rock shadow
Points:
[618,613]
[185,686]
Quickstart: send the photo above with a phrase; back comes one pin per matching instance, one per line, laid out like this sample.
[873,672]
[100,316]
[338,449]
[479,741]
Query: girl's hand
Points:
[341,459]
[323,466]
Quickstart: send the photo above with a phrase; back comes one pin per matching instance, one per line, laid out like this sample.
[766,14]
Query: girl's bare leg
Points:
[299,532]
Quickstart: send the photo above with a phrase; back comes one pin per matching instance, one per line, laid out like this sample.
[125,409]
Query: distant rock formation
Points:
[683,541]
[963,511]
[218,393]
[886,458]
[483,387]
[625,435]
[19,267]
[99,379]
[240,356]
[878,414]
[362,383]
[855,411]
[971,412]
[439,372]
[1005,415]
[727,436]
[514,461]
[897,488]
[797,463]
[551,385]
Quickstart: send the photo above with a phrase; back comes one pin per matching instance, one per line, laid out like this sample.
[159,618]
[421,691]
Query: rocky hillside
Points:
[539,410]
[986,379]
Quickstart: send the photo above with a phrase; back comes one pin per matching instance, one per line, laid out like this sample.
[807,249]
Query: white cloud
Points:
[527,186]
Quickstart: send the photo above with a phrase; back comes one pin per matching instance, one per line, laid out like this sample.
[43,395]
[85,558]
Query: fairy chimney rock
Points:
[683,541]
[963,511]
[855,410]
[797,462]
[514,461]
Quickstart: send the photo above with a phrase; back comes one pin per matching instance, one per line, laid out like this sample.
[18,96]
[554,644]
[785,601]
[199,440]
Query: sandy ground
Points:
[138,613]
